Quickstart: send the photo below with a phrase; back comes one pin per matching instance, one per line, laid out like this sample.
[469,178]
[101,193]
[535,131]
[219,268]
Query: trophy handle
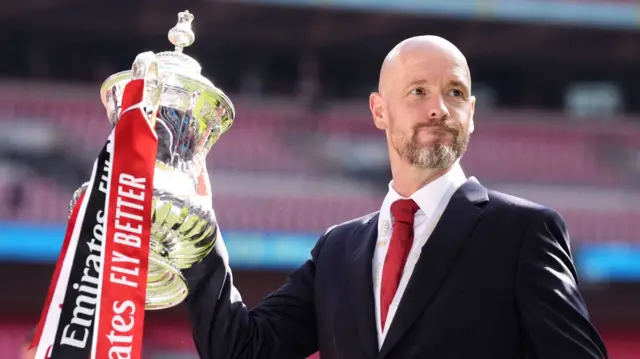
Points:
[145,67]
[76,196]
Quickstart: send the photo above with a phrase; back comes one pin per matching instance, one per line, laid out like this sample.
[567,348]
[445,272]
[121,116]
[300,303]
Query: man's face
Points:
[427,109]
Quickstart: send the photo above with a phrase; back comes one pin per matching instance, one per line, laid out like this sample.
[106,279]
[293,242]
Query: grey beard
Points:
[436,156]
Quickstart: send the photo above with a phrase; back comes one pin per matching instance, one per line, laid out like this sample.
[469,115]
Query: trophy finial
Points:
[181,35]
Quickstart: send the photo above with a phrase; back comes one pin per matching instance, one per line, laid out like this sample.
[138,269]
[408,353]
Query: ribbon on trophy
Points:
[96,301]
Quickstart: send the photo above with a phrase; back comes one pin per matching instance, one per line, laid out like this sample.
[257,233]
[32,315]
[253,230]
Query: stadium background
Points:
[557,122]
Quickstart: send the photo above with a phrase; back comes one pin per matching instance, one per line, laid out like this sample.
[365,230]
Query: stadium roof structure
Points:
[225,25]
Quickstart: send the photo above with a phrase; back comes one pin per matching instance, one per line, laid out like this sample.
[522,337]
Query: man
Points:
[445,269]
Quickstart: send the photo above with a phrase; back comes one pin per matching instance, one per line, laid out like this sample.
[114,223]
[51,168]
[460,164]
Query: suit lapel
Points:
[360,291]
[438,254]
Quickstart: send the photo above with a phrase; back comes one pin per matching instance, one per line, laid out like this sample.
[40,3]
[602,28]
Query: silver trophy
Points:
[192,114]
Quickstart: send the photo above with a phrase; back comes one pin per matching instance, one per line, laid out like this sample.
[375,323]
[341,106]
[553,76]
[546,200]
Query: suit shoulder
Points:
[352,224]
[520,205]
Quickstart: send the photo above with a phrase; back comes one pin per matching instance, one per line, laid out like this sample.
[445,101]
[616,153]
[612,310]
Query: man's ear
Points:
[473,110]
[376,105]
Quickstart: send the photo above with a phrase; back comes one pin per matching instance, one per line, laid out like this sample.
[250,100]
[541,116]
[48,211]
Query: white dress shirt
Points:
[432,200]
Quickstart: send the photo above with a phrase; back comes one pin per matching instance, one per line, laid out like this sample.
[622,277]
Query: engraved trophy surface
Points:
[192,114]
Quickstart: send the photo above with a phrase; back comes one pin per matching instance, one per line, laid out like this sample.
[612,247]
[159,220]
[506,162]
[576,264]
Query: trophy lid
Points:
[176,61]
[179,71]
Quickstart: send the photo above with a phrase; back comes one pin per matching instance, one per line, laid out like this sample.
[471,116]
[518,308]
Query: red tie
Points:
[403,212]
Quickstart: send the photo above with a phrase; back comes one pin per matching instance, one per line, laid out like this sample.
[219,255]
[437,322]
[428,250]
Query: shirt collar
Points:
[429,196]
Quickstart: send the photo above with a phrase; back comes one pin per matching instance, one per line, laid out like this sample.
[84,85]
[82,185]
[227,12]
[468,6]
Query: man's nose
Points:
[437,108]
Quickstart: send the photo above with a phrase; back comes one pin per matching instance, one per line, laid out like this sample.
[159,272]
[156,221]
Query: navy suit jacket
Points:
[495,280]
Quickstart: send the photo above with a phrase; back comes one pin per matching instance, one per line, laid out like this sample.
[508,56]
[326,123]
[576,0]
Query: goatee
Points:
[433,156]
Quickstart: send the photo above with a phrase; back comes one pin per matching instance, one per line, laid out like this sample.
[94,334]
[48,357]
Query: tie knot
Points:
[404,210]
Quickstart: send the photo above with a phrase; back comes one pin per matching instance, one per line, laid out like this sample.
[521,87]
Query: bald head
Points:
[418,48]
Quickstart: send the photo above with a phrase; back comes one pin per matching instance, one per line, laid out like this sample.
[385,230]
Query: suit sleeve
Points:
[282,326]
[552,311]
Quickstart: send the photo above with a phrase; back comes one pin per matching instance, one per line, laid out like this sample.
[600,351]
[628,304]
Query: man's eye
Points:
[456,93]
[418,91]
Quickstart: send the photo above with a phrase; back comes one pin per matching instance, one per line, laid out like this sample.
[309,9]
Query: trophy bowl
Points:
[191,116]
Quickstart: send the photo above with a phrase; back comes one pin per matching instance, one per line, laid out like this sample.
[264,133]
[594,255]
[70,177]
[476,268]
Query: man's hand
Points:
[29,353]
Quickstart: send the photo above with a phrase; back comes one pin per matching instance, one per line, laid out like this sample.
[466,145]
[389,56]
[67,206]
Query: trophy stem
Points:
[166,287]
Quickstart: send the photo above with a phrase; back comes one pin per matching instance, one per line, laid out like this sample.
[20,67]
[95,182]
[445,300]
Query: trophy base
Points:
[182,233]
[166,286]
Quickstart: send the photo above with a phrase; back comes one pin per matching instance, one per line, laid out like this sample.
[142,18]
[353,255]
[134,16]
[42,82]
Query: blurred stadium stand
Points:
[558,122]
